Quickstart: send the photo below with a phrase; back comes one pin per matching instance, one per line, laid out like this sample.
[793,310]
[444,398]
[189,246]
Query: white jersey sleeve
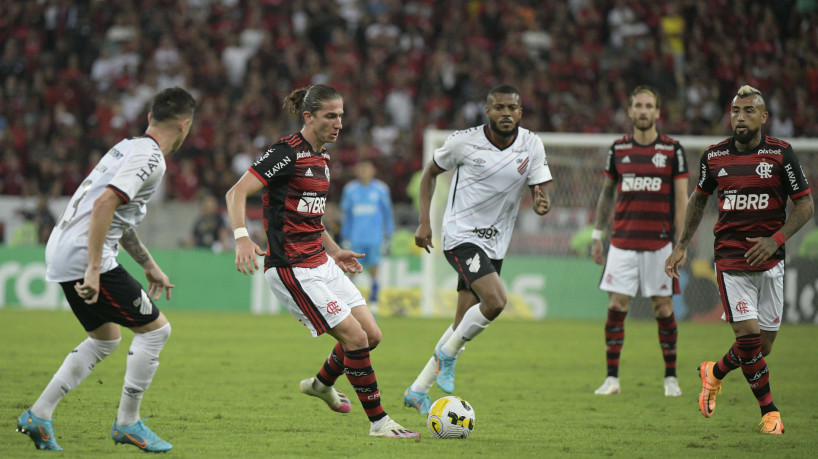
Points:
[450,154]
[132,169]
[540,173]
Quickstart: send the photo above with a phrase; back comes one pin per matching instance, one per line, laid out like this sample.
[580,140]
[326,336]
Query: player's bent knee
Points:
[374,338]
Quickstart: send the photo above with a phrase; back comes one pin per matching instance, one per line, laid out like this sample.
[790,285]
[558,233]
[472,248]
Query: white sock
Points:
[426,377]
[74,369]
[472,324]
[143,361]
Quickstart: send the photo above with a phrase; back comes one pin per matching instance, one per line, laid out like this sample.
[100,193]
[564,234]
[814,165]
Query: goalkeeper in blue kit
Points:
[368,223]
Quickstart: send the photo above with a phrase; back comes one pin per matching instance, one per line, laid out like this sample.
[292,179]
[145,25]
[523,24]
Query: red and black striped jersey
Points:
[296,182]
[753,187]
[645,174]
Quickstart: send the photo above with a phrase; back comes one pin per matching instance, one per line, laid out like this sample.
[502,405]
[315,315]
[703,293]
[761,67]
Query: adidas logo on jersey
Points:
[308,173]
[626,160]
[474,264]
[722,173]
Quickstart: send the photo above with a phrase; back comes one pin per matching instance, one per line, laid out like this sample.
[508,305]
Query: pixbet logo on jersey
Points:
[745,201]
[633,183]
[312,205]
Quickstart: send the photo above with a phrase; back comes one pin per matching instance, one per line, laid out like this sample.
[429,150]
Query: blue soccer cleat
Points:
[417,400]
[445,371]
[39,430]
[140,436]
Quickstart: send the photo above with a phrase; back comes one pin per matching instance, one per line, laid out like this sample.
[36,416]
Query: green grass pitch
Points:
[227,386]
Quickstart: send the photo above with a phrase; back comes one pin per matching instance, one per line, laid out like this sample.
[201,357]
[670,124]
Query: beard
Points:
[643,125]
[747,137]
[497,130]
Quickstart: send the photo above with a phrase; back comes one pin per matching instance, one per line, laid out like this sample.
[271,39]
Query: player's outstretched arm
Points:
[347,260]
[236,199]
[428,181]
[693,216]
[101,217]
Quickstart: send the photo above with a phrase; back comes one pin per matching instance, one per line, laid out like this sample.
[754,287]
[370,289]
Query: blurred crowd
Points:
[77,75]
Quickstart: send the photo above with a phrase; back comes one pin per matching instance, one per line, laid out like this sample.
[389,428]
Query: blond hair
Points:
[747,90]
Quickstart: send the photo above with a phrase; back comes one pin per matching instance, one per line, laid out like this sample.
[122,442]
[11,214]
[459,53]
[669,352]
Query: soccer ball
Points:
[451,417]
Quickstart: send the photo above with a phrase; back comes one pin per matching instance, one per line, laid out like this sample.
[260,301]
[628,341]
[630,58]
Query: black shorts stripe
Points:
[303,300]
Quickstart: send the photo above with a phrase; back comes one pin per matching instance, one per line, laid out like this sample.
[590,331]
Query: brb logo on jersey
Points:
[312,204]
[750,201]
[633,183]
[764,170]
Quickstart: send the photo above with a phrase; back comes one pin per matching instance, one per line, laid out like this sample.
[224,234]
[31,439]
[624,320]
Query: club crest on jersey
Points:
[326,172]
[659,160]
[523,166]
[764,170]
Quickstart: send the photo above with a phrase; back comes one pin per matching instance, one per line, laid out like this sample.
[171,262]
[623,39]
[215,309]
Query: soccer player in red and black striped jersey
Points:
[754,175]
[303,265]
[648,174]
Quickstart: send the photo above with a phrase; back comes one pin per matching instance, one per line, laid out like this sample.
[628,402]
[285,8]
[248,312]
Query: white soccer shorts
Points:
[627,271]
[753,295]
[320,297]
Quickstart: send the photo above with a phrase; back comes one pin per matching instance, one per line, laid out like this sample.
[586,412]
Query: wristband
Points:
[779,238]
[596,234]
[240,232]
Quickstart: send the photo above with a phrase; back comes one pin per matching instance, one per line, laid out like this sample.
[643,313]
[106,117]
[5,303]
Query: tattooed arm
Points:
[131,243]
[157,279]
[604,205]
[693,216]
[765,247]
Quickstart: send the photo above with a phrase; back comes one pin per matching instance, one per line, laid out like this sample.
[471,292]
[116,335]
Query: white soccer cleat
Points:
[672,388]
[609,387]
[392,429]
[336,400]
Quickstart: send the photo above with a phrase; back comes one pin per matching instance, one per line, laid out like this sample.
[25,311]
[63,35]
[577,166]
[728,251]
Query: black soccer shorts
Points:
[121,300]
[471,263]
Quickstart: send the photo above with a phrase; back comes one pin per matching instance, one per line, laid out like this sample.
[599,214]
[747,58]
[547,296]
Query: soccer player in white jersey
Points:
[81,255]
[493,164]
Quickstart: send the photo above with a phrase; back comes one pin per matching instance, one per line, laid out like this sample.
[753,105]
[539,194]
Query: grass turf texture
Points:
[227,386]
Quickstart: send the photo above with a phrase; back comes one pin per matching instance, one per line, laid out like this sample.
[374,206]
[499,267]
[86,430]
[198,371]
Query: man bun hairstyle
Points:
[172,103]
[310,99]
[648,90]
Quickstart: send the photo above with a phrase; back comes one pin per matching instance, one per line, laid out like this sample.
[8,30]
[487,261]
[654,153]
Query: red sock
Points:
[668,335]
[755,370]
[614,339]
[727,363]
[333,367]
[362,377]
